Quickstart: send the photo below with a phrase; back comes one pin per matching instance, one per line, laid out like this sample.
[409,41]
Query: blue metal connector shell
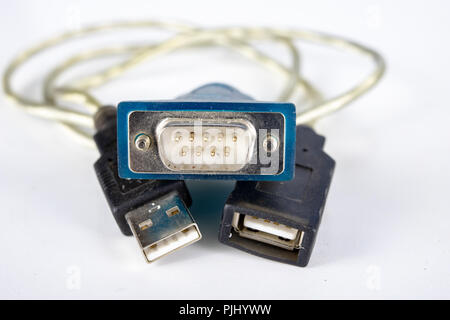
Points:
[141,153]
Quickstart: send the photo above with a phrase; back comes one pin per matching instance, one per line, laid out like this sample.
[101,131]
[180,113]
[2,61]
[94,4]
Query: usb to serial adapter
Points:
[280,220]
[214,132]
[154,211]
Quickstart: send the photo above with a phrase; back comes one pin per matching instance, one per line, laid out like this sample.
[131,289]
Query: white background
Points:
[385,232]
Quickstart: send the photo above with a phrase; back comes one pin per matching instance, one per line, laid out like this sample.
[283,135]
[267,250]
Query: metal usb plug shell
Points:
[162,227]
[154,211]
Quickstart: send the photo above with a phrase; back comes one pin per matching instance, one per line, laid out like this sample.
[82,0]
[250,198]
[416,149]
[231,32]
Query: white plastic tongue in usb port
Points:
[270,232]
[163,226]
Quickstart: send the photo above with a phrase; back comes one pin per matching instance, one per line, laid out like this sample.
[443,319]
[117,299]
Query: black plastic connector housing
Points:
[124,195]
[278,208]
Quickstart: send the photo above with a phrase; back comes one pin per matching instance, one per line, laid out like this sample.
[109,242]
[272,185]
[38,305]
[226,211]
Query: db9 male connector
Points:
[214,132]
